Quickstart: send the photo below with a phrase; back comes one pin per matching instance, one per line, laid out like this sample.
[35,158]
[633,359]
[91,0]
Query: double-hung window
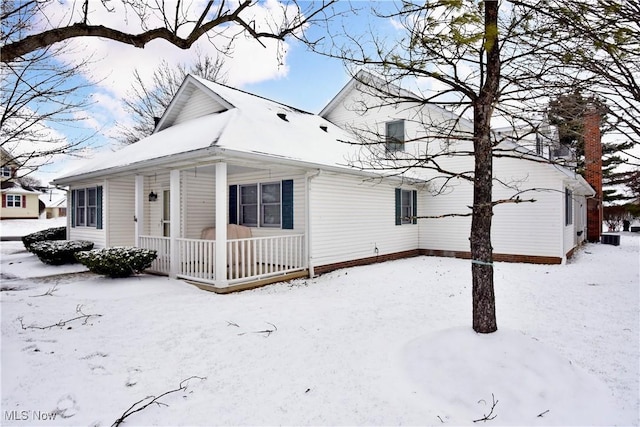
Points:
[406,206]
[260,204]
[568,207]
[249,205]
[5,172]
[81,207]
[270,204]
[86,208]
[267,204]
[91,207]
[394,140]
[14,201]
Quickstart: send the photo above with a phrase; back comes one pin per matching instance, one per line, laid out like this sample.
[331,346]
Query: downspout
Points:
[308,228]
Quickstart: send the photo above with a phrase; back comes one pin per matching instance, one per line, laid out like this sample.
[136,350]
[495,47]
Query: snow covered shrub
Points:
[57,252]
[118,261]
[56,233]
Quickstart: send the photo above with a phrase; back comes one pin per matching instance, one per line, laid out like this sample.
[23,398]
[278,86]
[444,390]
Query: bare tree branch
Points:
[150,400]
[15,49]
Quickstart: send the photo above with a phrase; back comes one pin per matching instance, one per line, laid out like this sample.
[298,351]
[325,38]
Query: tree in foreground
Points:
[40,97]
[479,60]
[596,50]
[180,22]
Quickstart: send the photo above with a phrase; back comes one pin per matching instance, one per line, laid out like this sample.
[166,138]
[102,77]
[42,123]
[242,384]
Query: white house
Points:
[545,231]
[234,190]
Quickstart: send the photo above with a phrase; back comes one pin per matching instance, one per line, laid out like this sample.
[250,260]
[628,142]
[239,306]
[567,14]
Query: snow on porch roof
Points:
[254,125]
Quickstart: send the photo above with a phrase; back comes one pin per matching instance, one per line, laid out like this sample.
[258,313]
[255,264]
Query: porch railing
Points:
[260,257]
[197,259]
[162,245]
[247,259]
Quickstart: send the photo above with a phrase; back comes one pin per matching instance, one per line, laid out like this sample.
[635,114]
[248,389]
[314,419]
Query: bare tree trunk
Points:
[484,307]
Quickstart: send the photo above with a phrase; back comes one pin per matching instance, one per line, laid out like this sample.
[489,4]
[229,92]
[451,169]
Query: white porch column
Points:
[139,208]
[221,224]
[175,221]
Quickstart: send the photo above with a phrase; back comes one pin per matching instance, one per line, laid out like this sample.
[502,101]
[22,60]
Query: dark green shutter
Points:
[99,207]
[398,206]
[287,204]
[414,196]
[233,204]
[73,208]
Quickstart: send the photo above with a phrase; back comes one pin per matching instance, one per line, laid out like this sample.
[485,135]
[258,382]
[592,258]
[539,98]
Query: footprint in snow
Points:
[98,370]
[133,377]
[93,355]
[67,406]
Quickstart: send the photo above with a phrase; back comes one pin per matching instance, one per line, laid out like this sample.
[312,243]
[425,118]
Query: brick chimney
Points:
[593,172]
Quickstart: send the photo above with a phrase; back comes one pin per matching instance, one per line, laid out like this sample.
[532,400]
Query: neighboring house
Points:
[18,202]
[284,177]
[55,204]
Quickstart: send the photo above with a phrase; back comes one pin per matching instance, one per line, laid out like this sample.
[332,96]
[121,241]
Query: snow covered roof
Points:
[15,188]
[54,199]
[579,184]
[374,85]
[247,124]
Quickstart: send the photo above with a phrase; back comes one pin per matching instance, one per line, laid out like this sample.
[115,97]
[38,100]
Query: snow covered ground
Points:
[386,344]
[20,227]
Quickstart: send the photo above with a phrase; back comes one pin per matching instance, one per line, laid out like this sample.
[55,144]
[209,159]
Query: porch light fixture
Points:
[153,197]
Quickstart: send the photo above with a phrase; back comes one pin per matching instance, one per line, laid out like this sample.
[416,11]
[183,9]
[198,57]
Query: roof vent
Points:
[283,116]
[324,128]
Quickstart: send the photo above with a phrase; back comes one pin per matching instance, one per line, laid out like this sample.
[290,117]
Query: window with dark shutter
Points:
[406,206]
[268,204]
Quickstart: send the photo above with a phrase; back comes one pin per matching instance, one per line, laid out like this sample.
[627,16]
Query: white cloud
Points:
[249,61]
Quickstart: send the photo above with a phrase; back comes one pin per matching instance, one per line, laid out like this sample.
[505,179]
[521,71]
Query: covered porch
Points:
[224,226]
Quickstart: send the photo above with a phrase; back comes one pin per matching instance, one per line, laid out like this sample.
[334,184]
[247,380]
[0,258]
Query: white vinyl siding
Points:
[199,104]
[199,192]
[527,228]
[353,218]
[120,203]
